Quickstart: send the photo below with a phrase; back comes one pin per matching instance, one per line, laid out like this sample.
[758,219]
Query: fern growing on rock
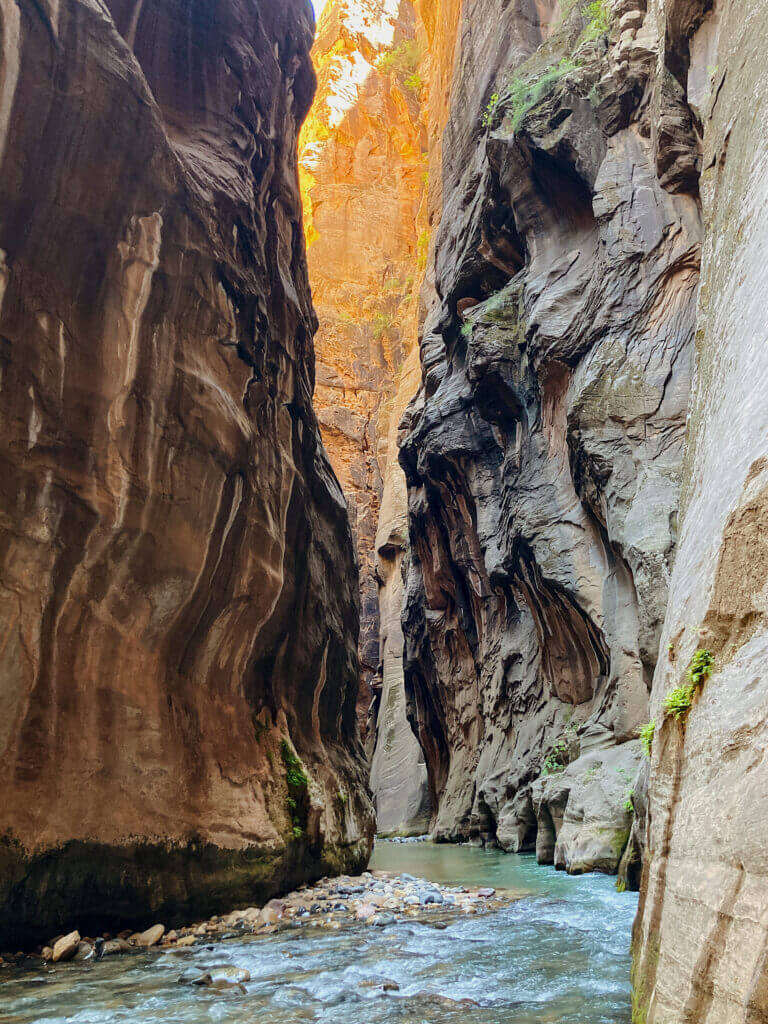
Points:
[646,736]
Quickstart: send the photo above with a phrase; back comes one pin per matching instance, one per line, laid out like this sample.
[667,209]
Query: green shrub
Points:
[598,15]
[628,804]
[297,783]
[381,324]
[555,761]
[295,776]
[414,83]
[646,736]
[701,666]
[402,60]
[678,701]
[490,110]
[525,94]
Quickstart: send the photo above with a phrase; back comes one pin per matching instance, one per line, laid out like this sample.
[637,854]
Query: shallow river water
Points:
[559,955]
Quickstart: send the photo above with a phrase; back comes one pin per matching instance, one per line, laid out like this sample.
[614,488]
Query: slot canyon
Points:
[384,511]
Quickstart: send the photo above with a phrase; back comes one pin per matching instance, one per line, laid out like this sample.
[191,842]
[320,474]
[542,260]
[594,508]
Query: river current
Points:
[557,955]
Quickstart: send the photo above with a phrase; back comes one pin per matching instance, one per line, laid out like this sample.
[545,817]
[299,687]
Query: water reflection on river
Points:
[559,955]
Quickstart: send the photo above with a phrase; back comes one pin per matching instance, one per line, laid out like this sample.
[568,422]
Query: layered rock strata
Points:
[363,168]
[178,594]
[544,449]
[701,938]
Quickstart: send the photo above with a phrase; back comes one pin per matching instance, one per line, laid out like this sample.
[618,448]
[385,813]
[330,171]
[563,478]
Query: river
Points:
[558,955]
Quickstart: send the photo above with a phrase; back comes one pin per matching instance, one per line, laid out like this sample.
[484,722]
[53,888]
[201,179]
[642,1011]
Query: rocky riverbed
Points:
[376,898]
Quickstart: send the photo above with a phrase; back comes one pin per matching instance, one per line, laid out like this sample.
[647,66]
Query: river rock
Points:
[116,947]
[229,973]
[382,920]
[85,951]
[272,912]
[365,912]
[150,937]
[66,947]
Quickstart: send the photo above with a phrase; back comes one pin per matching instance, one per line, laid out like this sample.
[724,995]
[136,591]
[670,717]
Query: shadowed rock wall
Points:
[178,594]
[543,452]
[701,938]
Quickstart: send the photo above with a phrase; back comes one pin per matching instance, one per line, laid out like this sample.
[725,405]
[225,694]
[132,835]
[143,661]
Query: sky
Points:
[318,5]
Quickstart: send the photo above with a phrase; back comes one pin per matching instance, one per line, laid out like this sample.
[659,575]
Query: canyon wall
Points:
[178,592]
[701,938]
[363,164]
[543,452]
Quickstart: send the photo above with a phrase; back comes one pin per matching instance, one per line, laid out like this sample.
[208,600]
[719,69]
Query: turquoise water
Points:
[558,955]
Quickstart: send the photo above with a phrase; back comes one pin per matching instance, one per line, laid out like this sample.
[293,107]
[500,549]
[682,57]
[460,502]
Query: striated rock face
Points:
[701,938]
[178,595]
[363,163]
[543,452]
[398,770]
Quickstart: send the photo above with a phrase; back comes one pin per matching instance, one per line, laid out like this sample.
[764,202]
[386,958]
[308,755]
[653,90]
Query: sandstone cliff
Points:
[543,452]
[701,939]
[178,595]
[363,167]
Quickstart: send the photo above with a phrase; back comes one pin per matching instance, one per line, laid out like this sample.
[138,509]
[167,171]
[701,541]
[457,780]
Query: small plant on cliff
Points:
[525,94]
[598,15]
[677,702]
[628,803]
[555,760]
[701,666]
[646,736]
[381,324]
[297,783]
[422,249]
[490,110]
[402,60]
[414,83]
